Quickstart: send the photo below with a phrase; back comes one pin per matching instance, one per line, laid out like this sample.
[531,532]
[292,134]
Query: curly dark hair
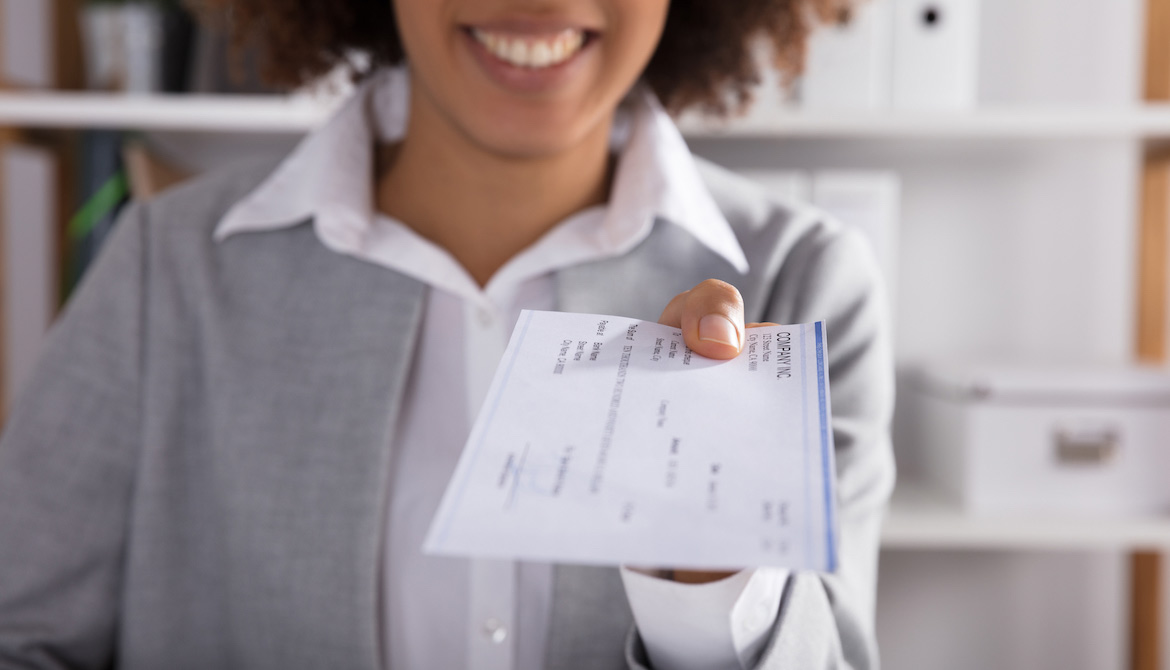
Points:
[706,58]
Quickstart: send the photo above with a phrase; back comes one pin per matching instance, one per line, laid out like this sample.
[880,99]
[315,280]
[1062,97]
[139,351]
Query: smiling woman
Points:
[243,423]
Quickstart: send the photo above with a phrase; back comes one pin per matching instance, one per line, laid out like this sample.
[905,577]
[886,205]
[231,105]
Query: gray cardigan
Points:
[195,475]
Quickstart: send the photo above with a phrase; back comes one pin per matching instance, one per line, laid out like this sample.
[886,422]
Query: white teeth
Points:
[541,54]
[532,52]
[518,52]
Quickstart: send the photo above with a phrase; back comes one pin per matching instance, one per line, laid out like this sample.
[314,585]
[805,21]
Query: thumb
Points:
[710,317]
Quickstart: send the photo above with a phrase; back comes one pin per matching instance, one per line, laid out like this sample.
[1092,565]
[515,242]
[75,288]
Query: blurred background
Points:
[1010,162]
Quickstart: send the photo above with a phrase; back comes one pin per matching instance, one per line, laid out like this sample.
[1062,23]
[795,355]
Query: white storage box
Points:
[1015,439]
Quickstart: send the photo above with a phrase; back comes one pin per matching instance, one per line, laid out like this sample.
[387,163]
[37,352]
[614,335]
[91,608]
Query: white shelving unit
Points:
[1017,241]
[278,114]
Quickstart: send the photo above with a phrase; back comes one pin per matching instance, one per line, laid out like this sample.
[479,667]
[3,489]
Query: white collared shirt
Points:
[481,614]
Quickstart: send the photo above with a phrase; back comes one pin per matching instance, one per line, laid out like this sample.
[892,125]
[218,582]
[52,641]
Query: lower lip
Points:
[527,79]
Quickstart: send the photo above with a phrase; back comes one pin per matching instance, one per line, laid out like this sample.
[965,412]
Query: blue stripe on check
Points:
[826,457]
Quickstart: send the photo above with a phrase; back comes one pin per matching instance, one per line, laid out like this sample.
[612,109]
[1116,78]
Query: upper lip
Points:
[530,26]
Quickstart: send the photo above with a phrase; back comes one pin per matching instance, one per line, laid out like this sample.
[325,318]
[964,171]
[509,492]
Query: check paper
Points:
[605,440]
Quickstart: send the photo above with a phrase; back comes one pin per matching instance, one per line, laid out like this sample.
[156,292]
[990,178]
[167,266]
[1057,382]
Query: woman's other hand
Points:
[710,316]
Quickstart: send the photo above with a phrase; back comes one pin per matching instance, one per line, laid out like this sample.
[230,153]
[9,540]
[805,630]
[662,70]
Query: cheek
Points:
[421,27]
[636,28]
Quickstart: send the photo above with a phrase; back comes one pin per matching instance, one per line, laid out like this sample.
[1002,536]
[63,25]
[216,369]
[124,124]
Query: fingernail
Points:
[718,328]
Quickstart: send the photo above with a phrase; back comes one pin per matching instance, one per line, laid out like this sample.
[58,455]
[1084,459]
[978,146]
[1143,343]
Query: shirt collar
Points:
[656,176]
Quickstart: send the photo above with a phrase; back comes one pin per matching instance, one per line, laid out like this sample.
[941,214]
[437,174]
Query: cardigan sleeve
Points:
[826,620]
[67,462]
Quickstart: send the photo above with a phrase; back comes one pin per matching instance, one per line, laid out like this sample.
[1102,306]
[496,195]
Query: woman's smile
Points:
[531,51]
[526,78]
[529,55]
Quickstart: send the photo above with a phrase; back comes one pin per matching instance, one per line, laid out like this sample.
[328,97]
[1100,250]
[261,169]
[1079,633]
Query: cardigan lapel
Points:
[304,444]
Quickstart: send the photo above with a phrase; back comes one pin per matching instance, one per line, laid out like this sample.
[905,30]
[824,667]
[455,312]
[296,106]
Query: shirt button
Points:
[495,631]
[484,316]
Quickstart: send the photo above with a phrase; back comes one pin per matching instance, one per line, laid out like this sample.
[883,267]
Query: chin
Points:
[526,135]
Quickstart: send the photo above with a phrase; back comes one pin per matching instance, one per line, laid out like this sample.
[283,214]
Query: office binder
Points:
[29,229]
[26,36]
[848,63]
[935,55]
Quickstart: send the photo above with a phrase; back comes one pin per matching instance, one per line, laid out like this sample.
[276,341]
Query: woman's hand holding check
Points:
[710,316]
